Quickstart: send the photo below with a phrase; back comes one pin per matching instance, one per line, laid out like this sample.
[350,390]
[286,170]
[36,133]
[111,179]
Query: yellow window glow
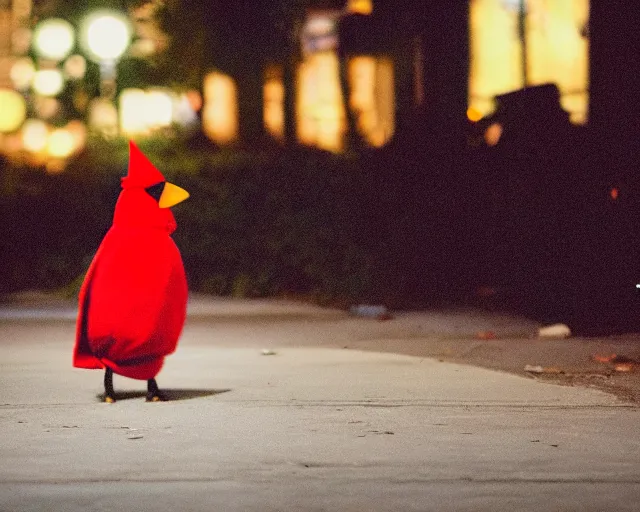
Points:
[372,97]
[220,112]
[556,51]
[273,111]
[319,109]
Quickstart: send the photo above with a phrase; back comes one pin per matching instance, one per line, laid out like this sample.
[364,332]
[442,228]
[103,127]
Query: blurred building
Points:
[376,66]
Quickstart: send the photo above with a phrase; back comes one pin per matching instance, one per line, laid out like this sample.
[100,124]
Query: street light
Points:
[105,36]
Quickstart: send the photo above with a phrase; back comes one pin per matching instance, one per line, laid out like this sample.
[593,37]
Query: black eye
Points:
[155,191]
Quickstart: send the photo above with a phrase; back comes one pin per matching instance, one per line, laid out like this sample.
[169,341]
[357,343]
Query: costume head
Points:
[146,196]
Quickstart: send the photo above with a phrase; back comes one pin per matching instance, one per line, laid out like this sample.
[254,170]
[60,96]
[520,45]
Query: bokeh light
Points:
[13,110]
[21,40]
[75,67]
[195,99]
[54,38]
[48,82]
[473,114]
[159,109]
[34,135]
[46,107]
[360,6]
[183,112]
[105,35]
[78,131]
[132,111]
[22,73]
[493,134]
[220,112]
[103,117]
[61,143]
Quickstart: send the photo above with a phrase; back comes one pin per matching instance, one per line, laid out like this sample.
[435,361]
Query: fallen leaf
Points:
[624,367]
[600,358]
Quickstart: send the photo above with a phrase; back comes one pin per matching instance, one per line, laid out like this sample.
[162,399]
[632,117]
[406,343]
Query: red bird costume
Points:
[132,304]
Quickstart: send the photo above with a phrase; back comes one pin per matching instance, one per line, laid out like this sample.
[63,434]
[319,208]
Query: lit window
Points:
[556,51]
[220,112]
[319,109]
[372,97]
[273,92]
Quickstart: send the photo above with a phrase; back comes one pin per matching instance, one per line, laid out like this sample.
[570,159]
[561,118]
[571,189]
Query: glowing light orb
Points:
[75,67]
[474,115]
[48,82]
[46,107]
[220,112]
[106,35]
[493,134]
[132,111]
[78,131]
[13,110]
[61,143]
[54,38]
[103,117]
[34,135]
[22,73]
[360,6]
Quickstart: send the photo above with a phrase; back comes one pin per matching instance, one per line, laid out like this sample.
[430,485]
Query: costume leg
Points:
[109,394]
[153,393]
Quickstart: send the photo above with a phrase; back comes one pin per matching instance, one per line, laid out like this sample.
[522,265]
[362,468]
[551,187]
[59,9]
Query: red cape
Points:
[132,304]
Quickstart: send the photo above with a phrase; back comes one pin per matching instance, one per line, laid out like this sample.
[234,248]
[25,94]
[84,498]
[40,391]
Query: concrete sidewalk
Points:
[313,427]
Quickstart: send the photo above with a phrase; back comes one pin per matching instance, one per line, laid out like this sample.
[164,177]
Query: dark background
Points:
[528,225]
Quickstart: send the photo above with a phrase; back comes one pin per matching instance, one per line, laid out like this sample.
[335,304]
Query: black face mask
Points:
[155,191]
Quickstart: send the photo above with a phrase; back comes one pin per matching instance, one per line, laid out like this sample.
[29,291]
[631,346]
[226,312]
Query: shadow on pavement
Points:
[172,394]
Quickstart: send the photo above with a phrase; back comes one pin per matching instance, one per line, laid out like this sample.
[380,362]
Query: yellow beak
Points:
[172,195]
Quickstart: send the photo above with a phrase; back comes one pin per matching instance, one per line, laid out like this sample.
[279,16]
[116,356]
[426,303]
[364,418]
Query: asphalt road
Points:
[313,426]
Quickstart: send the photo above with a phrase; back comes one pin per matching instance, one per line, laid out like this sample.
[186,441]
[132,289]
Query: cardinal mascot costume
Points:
[133,302]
